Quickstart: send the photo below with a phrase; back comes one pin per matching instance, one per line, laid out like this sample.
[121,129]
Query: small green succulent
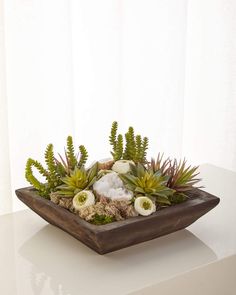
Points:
[79,179]
[145,182]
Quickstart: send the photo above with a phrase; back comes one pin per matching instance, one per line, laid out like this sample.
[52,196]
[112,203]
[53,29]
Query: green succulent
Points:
[182,178]
[145,182]
[56,169]
[132,147]
[159,164]
[78,180]
[65,166]
[51,174]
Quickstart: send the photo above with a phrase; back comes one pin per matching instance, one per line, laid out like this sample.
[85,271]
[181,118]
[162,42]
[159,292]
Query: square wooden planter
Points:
[121,234]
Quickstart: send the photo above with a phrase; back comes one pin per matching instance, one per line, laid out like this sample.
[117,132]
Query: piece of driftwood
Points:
[120,234]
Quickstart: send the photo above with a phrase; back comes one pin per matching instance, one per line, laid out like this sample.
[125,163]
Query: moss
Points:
[102,219]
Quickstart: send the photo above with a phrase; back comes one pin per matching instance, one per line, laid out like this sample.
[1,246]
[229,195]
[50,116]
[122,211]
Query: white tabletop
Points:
[38,258]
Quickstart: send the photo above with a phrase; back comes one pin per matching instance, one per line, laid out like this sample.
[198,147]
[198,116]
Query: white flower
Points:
[144,206]
[83,199]
[122,166]
[112,187]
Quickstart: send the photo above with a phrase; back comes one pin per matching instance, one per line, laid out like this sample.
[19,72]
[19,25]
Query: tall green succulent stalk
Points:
[71,161]
[135,147]
[112,137]
[83,156]
[70,152]
[119,148]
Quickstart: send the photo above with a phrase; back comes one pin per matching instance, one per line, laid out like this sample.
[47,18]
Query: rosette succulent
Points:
[147,183]
[80,179]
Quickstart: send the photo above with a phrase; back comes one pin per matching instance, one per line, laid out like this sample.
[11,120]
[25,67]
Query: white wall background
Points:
[210,84]
[72,67]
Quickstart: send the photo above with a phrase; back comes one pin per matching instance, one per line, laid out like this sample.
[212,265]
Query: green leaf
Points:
[163,200]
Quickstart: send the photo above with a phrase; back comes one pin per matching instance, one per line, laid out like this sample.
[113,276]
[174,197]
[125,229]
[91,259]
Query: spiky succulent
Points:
[78,180]
[159,164]
[134,147]
[147,183]
[182,178]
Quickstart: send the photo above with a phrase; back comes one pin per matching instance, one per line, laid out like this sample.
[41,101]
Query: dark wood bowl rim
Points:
[193,200]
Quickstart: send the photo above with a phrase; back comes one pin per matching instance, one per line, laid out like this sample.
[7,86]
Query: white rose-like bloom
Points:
[122,166]
[112,187]
[83,199]
[144,206]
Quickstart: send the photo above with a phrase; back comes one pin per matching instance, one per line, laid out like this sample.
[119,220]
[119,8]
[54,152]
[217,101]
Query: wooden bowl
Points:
[120,234]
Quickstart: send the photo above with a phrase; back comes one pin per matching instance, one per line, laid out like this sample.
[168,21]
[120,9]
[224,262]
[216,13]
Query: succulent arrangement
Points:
[113,189]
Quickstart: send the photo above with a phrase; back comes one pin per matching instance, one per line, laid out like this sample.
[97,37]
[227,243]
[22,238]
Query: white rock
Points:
[112,187]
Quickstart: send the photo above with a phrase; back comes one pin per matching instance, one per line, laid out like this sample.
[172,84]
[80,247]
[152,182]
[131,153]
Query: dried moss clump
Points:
[64,202]
[106,211]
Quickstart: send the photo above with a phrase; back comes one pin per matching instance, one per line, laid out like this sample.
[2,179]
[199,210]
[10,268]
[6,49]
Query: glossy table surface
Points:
[38,258]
